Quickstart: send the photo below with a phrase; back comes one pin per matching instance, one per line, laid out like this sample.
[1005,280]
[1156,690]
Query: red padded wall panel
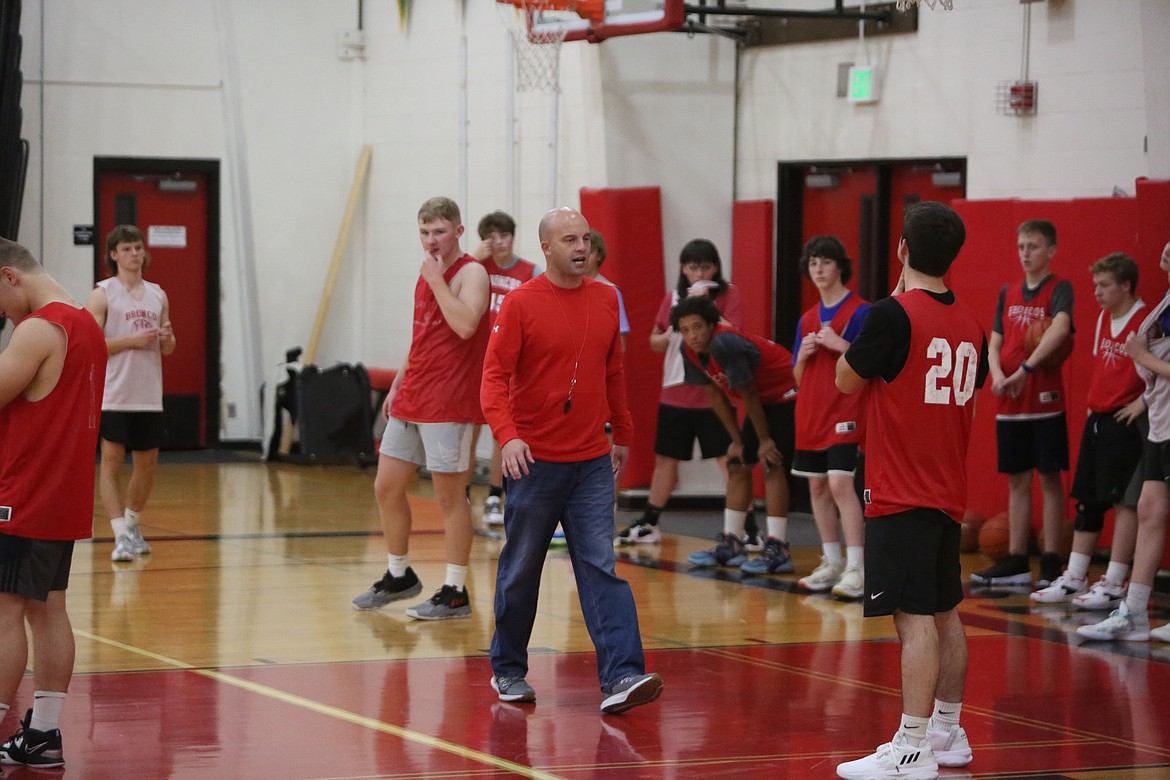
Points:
[630,220]
[752,248]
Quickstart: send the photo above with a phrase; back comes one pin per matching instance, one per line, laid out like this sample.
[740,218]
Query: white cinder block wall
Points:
[259,85]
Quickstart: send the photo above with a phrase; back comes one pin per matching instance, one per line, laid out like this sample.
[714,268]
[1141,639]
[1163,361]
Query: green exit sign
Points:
[862,84]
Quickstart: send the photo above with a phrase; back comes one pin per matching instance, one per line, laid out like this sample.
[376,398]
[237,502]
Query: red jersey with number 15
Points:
[919,424]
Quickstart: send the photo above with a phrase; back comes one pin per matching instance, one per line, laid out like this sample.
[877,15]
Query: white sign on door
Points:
[167,235]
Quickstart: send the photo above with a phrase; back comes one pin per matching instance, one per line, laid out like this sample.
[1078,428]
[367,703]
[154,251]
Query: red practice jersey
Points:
[1115,382]
[824,415]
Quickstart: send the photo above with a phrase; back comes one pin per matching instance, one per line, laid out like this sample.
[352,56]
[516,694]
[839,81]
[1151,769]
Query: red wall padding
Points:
[752,249]
[1087,229]
[630,220]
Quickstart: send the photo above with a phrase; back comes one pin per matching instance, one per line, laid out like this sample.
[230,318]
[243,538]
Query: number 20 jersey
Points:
[919,425]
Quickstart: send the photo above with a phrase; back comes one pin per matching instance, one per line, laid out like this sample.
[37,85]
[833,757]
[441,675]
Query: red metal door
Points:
[171,211]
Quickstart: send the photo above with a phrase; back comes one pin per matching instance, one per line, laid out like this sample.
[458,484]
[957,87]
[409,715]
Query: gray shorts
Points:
[34,567]
[441,447]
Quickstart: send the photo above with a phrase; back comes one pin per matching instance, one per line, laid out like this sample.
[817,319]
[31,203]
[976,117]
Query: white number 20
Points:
[959,373]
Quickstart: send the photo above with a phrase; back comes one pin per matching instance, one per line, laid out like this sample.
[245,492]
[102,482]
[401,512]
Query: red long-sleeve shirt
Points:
[544,336]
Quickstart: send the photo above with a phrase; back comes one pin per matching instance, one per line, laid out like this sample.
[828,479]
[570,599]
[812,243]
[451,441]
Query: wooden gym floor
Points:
[233,652]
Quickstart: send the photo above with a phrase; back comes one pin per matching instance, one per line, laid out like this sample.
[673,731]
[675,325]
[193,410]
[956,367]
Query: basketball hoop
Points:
[537,48]
[932,4]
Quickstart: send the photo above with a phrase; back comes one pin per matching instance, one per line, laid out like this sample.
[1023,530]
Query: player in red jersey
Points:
[51,382]
[829,423]
[1107,474]
[506,271]
[728,362]
[1031,430]
[921,354]
[430,411]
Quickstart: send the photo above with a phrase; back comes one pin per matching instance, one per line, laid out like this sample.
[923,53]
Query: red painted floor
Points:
[1034,708]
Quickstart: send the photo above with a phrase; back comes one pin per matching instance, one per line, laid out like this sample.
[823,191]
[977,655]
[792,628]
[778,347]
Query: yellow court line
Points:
[333,712]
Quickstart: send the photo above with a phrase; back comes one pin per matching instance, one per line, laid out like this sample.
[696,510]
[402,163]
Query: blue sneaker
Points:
[775,559]
[558,537]
[728,552]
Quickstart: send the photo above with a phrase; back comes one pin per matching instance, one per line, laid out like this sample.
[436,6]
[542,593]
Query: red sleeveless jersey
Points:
[444,371]
[1115,381]
[919,425]
[504,281]
[1043,393]
[773,378]
[824,415]
[47,447]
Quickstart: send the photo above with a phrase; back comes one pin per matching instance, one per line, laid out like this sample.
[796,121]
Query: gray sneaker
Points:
[389,589]
[123,549]
[513,689]
[630,692]
[447,603]
[140,545]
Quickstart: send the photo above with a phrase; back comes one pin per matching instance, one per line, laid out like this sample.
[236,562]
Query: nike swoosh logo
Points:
[875,595]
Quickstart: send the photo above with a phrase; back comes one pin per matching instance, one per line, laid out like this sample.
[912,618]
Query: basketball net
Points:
[946,4]
[537,53]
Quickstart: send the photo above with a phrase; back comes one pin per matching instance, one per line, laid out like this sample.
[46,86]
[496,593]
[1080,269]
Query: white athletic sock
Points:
[119,525]
[46,711]
[397,564]
[733,522]
[778,527]
[456,576]
[854,557]
[1117,572]
[1078,565]
[1137,598]
[832,551]
[131,517]
[946,714]
[913,729]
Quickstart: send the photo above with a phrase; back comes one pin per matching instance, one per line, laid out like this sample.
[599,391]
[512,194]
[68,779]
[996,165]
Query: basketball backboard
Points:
[601,19]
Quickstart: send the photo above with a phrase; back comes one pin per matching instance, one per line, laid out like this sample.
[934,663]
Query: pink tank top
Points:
[133,376]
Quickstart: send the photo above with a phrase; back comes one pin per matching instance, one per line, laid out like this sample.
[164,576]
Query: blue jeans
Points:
[579,495]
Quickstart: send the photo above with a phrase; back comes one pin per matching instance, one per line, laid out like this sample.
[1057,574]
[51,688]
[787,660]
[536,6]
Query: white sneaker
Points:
[895,759]
[852,583]
[493,511]
[1161,634]
[950,746]
[1103,595]
[823,577]
[123,549]
[1121,624]
[1063,588]
[140,545]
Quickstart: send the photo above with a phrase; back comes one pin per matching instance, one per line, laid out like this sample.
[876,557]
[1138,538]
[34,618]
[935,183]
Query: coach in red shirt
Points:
[552,378]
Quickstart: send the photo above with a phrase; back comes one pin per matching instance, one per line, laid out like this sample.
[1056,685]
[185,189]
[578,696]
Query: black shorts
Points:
[1024,445]
[781,429]
[679,427]
[837,459]
[34,567]
[1156,461]
[912,563]
[1109,455]
[134,430]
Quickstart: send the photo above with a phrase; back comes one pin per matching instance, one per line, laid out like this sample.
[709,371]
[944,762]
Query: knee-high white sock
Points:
[46,711]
